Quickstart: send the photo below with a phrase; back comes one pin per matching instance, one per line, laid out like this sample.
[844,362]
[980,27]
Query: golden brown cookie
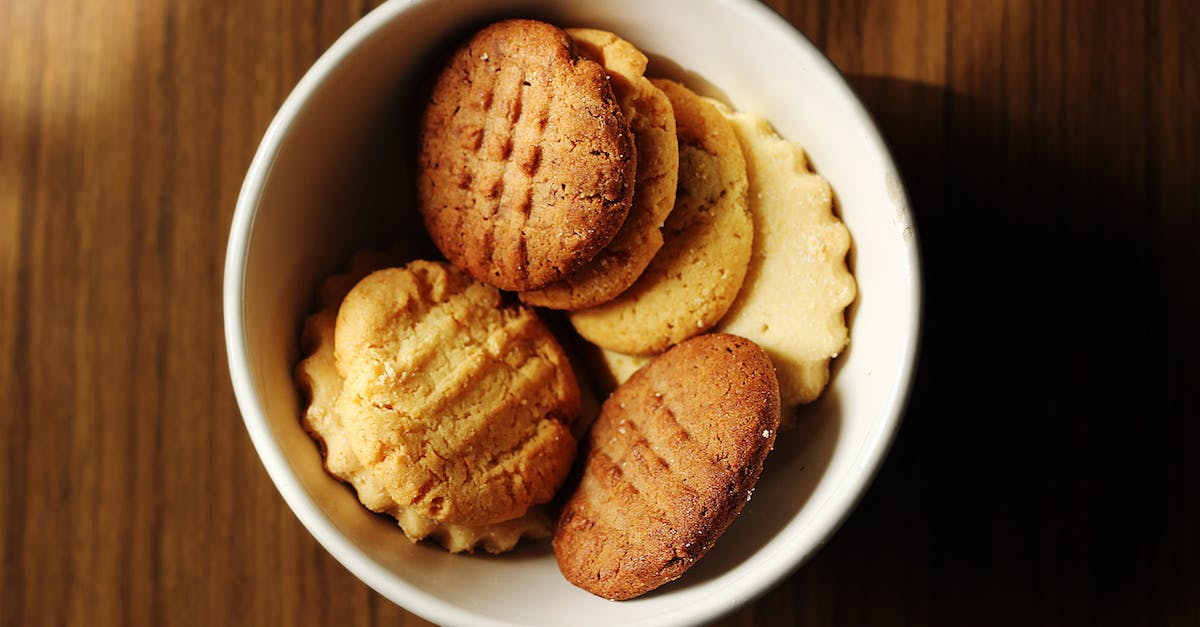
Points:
[321,384]
[526,165]
[318,378]
[695,276]
[652,121]
[797,285]
[671,460]
[459,406]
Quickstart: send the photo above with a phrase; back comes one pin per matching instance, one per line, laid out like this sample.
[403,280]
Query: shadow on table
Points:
[1046,471]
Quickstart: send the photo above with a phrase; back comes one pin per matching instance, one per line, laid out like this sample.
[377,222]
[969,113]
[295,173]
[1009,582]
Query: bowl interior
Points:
[329,179]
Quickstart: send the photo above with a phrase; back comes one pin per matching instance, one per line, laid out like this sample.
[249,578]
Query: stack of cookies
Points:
[687,243]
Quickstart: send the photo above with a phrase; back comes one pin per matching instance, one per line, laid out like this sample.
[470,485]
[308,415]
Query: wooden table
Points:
[1048,471]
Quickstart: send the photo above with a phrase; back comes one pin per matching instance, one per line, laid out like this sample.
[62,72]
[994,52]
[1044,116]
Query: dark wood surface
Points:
[1047,472]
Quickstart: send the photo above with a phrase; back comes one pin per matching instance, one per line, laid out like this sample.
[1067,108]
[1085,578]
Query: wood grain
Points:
[1047,469]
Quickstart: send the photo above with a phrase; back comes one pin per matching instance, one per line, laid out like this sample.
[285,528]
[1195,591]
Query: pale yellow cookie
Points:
[321,384]
[798,285]
[459,406]
[694,278]
[652,122]
[610,369]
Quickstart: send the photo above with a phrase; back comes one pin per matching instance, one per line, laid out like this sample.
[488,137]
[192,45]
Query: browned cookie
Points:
[671,460]
[652,121]
[526,166]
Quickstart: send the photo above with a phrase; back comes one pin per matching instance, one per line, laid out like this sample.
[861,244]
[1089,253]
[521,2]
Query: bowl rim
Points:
[841,502]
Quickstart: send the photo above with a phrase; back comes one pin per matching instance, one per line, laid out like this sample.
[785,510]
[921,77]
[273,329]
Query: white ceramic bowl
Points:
[314,193]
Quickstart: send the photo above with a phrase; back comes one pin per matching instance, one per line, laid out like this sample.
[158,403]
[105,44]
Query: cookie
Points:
[610,369]
[526,165]
[797,285]
[320,382]
[652,122]
[460,407]
[321,385]
[695,276]
[671,460]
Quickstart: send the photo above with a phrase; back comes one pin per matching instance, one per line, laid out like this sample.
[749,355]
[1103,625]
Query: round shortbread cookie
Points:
[797,285]
[321,385]
[708,236]
[652,121]
[671,461]
[459,407]
[526,166]
[609,369]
